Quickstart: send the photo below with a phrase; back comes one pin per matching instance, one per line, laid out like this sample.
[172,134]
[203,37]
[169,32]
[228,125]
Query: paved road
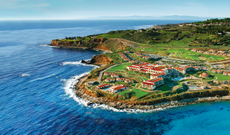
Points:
[219,62]
[101,73]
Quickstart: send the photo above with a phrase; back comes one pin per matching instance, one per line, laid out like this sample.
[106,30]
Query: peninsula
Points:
[173,64]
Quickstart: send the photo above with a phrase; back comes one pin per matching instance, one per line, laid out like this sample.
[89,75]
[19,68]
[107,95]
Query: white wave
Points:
[69,89]
[78,63]
[25,74]
[42,78]
[44,45]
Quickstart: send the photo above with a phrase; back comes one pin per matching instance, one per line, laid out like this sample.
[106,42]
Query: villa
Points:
[160,75]
[214,71]
[148,85]
[204,75]
[109,80]
[103,86]
[184,69]
[114,75]
[117,89]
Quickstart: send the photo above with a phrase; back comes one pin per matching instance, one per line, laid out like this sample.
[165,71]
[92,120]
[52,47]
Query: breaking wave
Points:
[37,79]
[24,75]
[78,63]
[69,89]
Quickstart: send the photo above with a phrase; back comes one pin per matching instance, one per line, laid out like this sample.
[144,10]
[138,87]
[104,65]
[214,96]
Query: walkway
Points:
[101,73]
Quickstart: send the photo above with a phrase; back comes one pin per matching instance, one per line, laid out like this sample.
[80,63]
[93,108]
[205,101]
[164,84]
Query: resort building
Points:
[184,69]
[204,75]
[148,85]
[109,80]
[214,71]
[117,89]
[159,75]
[114,75]
[103,86]
[157,70]
[158,82]
[152,84]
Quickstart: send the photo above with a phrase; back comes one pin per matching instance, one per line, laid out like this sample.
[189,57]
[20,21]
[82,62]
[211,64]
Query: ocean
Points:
[35,78]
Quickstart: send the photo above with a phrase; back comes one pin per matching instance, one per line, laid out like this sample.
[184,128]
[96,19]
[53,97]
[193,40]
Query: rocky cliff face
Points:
[98,43]
[100,59]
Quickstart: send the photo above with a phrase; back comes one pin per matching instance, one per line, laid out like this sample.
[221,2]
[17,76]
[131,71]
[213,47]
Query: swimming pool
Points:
[193,87]
[106,88]
[177,79]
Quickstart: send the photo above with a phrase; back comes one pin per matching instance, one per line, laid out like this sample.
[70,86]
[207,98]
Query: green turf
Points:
[165,88]
[139,93]
[182,53]
[119,67]
[220,77]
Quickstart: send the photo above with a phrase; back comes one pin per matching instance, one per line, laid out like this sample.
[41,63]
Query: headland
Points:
[159,67]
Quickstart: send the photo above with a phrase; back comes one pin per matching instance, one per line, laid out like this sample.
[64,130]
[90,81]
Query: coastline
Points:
[82,48]
[76,93]
[89,101]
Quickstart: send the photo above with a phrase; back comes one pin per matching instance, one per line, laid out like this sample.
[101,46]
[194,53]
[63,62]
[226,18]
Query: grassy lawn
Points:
[193,55]
[123,92]
[210,78]
[119,67]
[109,36]
[165,88]
[139,93]
[221,77]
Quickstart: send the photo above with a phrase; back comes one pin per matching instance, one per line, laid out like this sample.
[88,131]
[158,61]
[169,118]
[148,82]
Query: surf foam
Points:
[69,89]
[78,63]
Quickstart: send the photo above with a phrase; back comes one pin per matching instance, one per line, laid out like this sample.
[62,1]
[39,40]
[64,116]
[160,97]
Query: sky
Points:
[82,9]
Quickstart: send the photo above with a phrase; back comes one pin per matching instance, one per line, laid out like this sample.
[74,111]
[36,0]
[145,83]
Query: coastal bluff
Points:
[104,44]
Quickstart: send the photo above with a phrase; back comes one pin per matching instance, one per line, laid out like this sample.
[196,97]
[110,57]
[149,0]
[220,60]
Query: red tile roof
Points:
[148,83]
[103,85]
[156,80]
[119,87]
[158,74]
[157,69]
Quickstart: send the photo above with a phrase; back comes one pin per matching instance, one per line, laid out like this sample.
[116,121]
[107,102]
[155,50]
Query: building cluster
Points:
[116,78]
[158,73]
[142,56]
[212,52]
[124,57]
[221,72]
[153,83]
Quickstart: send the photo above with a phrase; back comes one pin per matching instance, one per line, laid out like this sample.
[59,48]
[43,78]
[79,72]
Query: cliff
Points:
[100,59]
[97,43]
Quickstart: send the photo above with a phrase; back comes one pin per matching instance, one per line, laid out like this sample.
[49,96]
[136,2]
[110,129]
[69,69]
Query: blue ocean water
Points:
[34,82]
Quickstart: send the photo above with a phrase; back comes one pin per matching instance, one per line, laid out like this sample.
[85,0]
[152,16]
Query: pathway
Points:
[101,73]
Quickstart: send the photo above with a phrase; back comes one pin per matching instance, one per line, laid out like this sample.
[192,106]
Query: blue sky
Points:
[78,9]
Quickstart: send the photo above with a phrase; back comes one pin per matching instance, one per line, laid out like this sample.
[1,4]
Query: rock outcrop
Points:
[100,59]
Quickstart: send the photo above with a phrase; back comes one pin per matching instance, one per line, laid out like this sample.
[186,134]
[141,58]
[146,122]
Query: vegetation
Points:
[175,41]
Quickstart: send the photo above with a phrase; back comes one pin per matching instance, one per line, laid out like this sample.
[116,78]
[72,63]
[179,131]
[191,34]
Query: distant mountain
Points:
[173,17]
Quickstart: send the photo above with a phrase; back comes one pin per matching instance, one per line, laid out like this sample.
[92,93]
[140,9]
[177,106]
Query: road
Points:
[101,73]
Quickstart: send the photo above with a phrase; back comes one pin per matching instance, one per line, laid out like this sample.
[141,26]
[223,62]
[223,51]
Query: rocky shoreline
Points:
[92,101]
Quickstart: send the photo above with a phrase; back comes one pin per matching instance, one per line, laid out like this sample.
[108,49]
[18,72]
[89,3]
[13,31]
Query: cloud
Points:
[21,4]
